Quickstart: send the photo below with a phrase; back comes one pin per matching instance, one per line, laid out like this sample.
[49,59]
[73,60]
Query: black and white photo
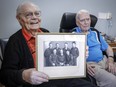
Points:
[61,55]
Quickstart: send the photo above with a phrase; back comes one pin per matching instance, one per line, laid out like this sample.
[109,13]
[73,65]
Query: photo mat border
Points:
[65,71]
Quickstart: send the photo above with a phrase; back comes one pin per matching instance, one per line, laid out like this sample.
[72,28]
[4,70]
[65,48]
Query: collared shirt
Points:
[95,47]
[30,39]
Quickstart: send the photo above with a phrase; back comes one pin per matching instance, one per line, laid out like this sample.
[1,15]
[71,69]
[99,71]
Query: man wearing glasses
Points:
[18,67]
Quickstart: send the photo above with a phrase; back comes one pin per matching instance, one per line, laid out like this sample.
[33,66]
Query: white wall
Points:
[52,11]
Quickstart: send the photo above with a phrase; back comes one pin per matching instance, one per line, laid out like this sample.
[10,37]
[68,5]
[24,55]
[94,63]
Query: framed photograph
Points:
[61,55]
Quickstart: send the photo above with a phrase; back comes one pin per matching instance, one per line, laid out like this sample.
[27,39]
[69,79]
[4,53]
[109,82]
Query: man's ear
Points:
[77,22]
[18,18]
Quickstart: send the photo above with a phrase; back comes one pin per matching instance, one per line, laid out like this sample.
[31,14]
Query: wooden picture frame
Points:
[59,66]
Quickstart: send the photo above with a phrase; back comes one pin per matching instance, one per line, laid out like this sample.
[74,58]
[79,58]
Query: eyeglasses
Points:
[31,14]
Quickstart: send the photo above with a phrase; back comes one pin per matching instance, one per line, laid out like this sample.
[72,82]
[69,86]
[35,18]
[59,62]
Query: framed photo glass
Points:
[61,55]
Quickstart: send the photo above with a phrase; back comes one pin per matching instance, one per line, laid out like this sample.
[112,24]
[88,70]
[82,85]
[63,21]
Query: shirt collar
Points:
[27,35]
[79,30]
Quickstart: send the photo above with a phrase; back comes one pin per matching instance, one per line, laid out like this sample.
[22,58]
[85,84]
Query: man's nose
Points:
[34,15]
[86,21]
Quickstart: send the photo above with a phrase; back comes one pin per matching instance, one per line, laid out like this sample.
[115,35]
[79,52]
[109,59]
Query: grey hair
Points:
[80,12]
[20,7]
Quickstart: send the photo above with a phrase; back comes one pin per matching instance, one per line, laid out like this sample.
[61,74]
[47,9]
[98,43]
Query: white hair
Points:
[20,7]
[80,12]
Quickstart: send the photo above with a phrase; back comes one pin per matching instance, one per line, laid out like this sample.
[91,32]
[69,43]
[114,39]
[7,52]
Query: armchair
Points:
[2,47]
[68,22]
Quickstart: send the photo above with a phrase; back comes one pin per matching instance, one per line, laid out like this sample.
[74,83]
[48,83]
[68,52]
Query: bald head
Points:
[29,16]
[22,7]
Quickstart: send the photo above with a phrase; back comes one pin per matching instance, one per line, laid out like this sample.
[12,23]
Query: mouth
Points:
[34,23]
[86,26]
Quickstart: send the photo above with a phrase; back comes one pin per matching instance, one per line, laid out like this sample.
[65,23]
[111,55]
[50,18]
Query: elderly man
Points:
[98,66]
[18,67]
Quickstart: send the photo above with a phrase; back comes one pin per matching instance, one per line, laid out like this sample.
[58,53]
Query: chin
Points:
[34,28]
[86,29]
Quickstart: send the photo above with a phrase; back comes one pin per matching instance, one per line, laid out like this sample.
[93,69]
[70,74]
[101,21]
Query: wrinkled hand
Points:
[34,77]
[111,65]
[91,70]
[111,68]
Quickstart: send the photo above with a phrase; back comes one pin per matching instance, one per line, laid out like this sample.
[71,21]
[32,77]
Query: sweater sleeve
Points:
[11,71]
